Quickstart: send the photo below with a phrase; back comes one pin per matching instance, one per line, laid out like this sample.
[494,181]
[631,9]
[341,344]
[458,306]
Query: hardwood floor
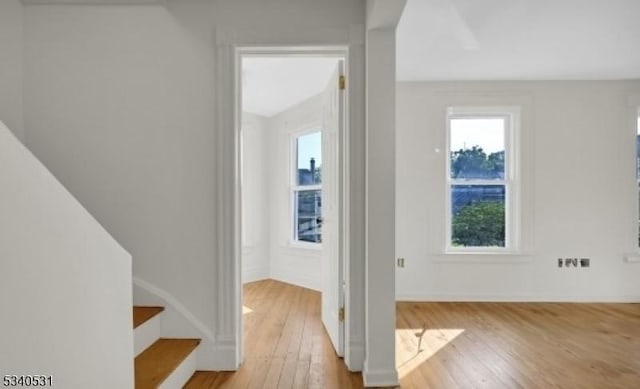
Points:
[441,345]
[285,343]
[516,345]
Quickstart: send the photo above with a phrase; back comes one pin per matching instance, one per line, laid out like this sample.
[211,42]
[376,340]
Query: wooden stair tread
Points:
[158,361]
[142,314]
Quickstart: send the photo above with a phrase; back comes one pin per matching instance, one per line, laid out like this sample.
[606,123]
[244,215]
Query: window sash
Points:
[296,217]
[295,187]
[510,183]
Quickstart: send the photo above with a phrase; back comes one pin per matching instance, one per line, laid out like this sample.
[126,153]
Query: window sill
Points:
[632,258]
[506,257]
[305,245]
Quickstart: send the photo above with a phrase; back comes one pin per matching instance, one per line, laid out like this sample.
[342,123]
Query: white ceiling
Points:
[477,40]
[519,39]
[271,85]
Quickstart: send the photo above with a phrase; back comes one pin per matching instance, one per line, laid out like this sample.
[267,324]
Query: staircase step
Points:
[154,365]
[148,332]
[142,314]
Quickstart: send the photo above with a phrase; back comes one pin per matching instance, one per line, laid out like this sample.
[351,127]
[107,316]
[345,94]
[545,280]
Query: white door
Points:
[332,261]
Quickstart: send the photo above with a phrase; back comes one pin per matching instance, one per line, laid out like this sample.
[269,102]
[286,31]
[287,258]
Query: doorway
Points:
[292,126]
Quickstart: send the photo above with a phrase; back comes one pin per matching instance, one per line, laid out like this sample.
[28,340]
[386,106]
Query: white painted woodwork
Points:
[379,365]
[66,283]
[332,266]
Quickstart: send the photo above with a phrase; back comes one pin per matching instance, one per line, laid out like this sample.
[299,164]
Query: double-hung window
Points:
[482,179]
[307,187]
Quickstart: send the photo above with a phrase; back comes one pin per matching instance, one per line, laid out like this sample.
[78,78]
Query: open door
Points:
[332,229]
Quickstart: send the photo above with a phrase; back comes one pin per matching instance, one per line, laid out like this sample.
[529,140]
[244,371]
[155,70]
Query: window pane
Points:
[308,212]
[309,159]
[477,148]
[478,215]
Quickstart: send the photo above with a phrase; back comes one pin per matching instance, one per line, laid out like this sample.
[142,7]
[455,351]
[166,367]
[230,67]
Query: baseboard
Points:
[379,378]
[218,356]
[171,303]
[517,298]
[354,356]
[309,281]
[255,274]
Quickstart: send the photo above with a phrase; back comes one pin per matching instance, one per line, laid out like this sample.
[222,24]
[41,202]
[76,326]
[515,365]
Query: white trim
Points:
[379,378]
[176,305]
[483,257]
[508,298]
[636,132]
[632,258]
[255,274]
[295,277]
[511,180]
[225,40]
[355,355]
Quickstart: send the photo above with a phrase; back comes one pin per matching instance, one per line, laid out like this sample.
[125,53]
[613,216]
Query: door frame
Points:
[239,51]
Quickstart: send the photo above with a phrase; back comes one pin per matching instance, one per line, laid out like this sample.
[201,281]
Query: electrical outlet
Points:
[400,262]
[574,262]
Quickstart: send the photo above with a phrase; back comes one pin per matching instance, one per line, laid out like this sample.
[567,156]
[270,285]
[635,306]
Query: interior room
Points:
[163,200]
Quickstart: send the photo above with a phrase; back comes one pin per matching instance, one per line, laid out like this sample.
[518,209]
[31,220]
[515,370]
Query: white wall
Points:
[120,103]
[11,27]
[66,284]
[578,194]
[268,248]
[255,198]
[290,262]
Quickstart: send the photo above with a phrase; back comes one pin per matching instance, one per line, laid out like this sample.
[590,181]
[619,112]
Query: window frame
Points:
[511,180]
[636,128]
[294,188]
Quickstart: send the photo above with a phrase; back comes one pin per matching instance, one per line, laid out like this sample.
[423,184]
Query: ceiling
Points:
[519,40]
[271,85]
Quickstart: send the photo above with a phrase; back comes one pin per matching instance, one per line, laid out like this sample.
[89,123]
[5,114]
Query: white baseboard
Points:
[305,280]
[354,356]
[379,378]
[419,297]
[219,356]
[255,274]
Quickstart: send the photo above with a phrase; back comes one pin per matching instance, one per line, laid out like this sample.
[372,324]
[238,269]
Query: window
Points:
[481,179]
[307,187]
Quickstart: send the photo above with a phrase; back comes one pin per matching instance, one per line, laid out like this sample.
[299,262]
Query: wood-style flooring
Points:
[286,345]
[441,345]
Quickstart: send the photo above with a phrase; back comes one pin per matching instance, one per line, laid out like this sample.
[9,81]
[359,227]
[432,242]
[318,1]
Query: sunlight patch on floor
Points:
[415,345]
[246,310]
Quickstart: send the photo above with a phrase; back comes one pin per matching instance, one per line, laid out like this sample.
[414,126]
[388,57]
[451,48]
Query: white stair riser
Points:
[182,373]
[145,334]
